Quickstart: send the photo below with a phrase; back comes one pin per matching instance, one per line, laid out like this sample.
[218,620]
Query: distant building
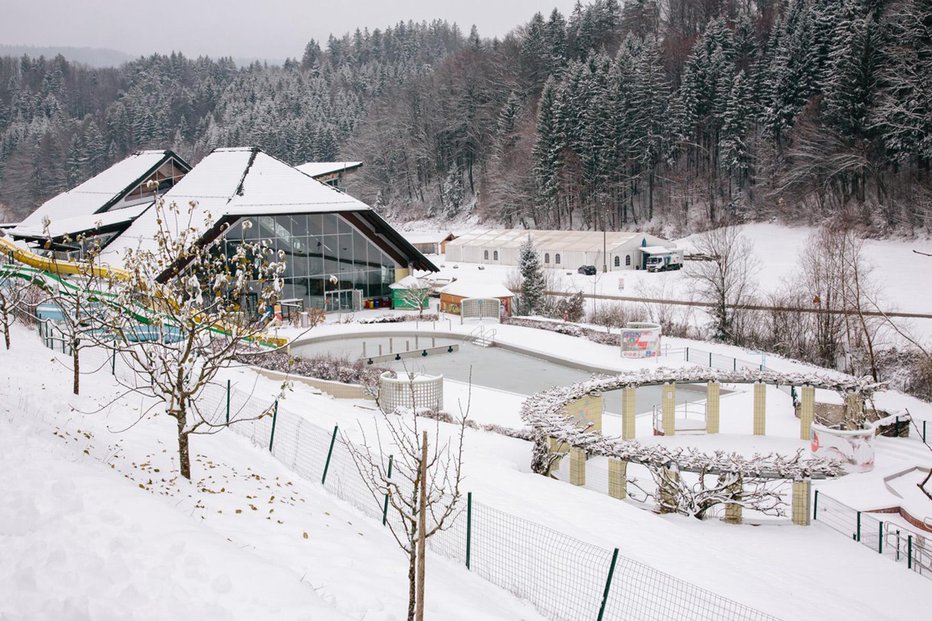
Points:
[452,296]
[429,243]
[331,173]
[616,250]
[339,253]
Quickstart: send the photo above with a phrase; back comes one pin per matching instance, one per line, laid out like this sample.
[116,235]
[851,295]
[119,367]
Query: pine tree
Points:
[546,152]
[533,284]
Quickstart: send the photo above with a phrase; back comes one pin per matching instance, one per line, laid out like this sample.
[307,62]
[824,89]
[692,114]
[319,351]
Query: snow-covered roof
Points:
[238,181]
[81,224]
[476,290]
[100,191]
[319,169]
[566,241]
[409,282]
[657,250]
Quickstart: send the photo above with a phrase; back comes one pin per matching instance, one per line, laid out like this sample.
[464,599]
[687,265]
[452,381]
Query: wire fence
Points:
[719,361]
[891,539]
[562,576]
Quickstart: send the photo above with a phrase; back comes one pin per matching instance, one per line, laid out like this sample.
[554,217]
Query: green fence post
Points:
[710,360]
[333,439]
[468,528]
[228,402]
[608,583]
[815,506]
[274,418]
[858,537]
[880,537]
[909,552]
[113,361]
[385,506]
[924,430]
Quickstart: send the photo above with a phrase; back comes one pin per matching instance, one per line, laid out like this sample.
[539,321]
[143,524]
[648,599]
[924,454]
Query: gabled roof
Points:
[245,181]
[477,290]
[99,193]
[109,220]
[319,169]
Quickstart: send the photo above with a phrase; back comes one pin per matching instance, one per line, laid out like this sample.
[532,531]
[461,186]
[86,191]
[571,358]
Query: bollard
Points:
[857,536]
[416,339]
[380,349]
[363,349]
[391,345]
[880,537]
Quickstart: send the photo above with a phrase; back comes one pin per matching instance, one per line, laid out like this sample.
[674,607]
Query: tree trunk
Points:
[76,363]
[412,579]
[184,456]
[421,530]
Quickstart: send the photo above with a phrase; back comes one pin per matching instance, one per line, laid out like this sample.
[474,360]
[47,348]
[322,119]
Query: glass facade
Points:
[316,247]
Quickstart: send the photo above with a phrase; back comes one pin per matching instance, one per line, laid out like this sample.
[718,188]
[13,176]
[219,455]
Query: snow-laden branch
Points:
[543,412]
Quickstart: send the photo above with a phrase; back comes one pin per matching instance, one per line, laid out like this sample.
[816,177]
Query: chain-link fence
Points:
[719,361]
[563,577]
[887,538]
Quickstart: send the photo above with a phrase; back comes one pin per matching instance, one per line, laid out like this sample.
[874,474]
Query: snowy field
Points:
[896,270]
[251,539]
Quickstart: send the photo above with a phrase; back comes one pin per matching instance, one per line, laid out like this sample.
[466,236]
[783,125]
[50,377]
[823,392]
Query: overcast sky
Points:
[240,28]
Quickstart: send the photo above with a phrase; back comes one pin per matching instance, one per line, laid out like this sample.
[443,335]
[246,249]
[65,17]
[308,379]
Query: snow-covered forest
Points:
[661,113]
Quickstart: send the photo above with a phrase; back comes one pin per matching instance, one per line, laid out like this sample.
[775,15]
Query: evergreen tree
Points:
[533,284]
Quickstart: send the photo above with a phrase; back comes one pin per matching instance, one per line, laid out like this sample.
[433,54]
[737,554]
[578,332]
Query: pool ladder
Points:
[482,337]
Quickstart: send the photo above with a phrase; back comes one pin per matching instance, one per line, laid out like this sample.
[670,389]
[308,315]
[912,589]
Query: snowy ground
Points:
[96,525]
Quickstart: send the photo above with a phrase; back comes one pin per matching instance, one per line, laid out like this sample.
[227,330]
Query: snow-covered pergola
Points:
[544,413]
[554,433]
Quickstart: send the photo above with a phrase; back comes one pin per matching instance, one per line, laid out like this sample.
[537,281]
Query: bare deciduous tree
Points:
[420,482]
[14,296]
[727,281]
[178,318]
[413,293]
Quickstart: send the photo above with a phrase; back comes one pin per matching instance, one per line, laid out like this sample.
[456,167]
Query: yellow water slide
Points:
[56,267]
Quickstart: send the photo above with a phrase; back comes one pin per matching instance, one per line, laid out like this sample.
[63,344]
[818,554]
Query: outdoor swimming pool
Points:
[492,367]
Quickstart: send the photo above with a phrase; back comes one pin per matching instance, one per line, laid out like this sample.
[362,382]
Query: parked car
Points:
[588,270]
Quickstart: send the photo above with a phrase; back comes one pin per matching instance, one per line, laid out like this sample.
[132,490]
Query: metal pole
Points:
[858,537]
[113,361]
[333,439]
[388,477]
[909,552]
[608,584]
[815,506]
[228,402]
[274,418]
[880,537]
[468,528]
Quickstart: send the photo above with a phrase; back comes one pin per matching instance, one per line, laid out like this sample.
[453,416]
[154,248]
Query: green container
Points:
[404,298]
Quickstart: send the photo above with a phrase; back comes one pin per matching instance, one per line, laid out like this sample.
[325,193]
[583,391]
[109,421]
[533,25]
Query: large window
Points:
[316,246]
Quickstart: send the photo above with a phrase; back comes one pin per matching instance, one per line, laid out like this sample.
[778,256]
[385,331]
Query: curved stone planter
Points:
[853,448]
